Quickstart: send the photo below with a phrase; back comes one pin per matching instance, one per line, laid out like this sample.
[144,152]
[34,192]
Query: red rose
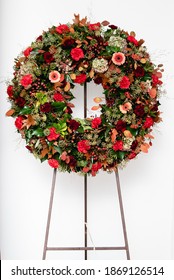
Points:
[53,163]
[94,26]
[83,146]
[118,146]
[132,155]
[63,28]
[77,54]
[10,91]
[96,122]
[58,97]
[139,72]
[27,51]
[148,122]
[53,135]
[48,57]
[80,79]
[124,83]
[132,39]
[18,122]
[26,80]
[74,125]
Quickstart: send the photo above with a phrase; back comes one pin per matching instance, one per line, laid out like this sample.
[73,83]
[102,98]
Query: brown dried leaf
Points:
[10,112]
[105,23]
[70,104]
[44,152]
[29,122]
[132,34]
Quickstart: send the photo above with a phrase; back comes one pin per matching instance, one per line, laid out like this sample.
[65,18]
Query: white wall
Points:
[147,182]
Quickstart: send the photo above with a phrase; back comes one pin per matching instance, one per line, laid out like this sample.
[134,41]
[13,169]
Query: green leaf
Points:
[38,132]
[134,132]
[59,106]
[121,155]
[42,98]
[58,149]
[25,111]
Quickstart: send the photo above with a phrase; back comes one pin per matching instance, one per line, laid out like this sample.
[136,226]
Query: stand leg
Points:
[122,215]
[49,214]
[85,213]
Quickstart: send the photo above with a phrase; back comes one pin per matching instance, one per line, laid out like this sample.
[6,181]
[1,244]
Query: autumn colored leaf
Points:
[105,23]
[29,122]
[132,34]
[149,136]
[73,76]
[113,135]
[10,112]
[91,74]
[67,87]
[128,134]
[62,77]
[44,152]
[71,105]
[144,147]
[152,92]
[95,108]
[97,99]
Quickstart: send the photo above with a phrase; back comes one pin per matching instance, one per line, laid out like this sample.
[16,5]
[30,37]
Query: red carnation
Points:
[74,125]
[94,26]
[63,28]
[132,39]
[48,57]
[10,91]
[26,80]
[96,122]
[27,51]
[124,83]
[53,135]
[148,122]
[83,146]
[77,54]
[53,163]
[139,72]
[118,146]
[58,97]
[80,79]
[18,122]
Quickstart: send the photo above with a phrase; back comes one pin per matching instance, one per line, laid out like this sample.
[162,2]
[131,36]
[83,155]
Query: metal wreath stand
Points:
[86,248]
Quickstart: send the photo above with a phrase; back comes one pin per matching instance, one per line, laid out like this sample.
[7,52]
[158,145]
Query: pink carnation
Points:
[26,80]
[96,122]
[19,122]
[53,163]
[118,146]
[124,83]
[83,146]
[53,135]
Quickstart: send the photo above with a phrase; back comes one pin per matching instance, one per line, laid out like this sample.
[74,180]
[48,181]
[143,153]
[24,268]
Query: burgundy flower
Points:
[110,102]
[72,161]
[39,38]
[68,110]
[29,148]
[68,43]
[139,72]
[74,125]
[120,125]
[48,57]
[112,26]
[139,110]
[20,102]
[98,80]
[132,155]
[46,108]
[134,145]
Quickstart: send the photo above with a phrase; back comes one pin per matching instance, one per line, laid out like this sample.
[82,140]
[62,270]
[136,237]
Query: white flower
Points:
[100,65]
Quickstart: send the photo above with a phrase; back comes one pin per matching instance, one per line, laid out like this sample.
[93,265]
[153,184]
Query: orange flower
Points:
[125,107]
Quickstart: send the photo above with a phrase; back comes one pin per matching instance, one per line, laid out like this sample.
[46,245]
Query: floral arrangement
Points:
[41,98]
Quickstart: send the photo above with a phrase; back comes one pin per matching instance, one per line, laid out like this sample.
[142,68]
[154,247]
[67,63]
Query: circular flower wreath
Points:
[70,54]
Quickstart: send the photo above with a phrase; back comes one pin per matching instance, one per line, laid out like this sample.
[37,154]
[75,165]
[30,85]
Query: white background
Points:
[147,182]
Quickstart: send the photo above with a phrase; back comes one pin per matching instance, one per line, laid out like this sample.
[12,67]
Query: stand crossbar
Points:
[86,248]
